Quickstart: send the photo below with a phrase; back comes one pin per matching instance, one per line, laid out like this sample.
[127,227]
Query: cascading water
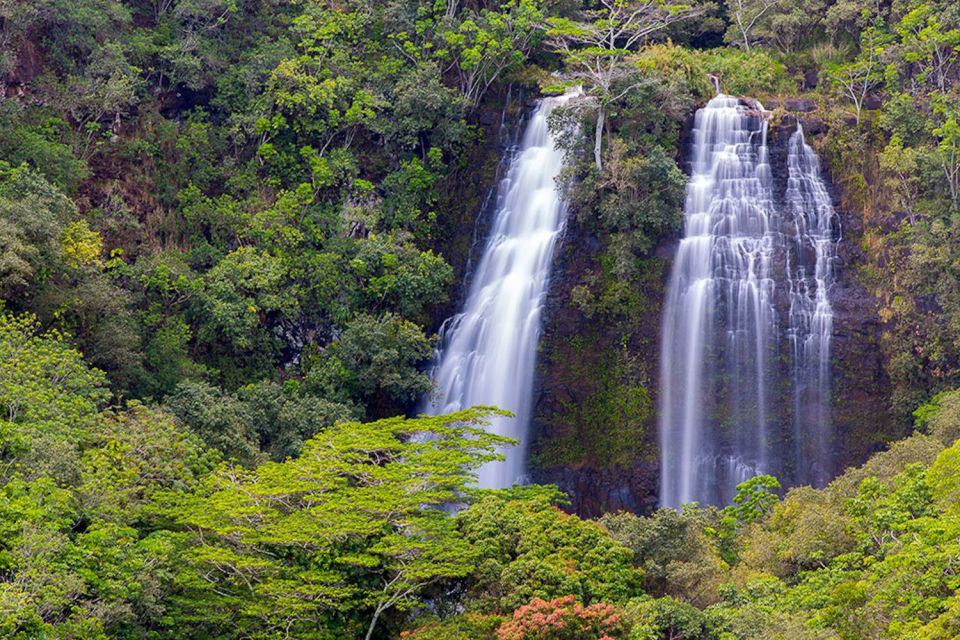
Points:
[720,403]
[720,326]
[488,351]
[811,268]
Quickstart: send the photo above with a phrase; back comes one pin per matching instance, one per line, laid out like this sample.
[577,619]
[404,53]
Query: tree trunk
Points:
[373,623]
[598,139]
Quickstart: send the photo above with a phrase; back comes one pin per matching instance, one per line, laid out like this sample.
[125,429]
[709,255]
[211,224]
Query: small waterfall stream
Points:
[488,352]
[721,344]
[811,267]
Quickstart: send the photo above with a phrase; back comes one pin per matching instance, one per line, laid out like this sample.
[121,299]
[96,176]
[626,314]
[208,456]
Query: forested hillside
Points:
[230,234]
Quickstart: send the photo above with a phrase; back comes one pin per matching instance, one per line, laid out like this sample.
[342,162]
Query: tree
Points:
[677,557]
[528,548]
[483,46]
[131,457]
[568,620]
[264,420]
[900,165]
[595,47]
[857,79]
[33,217]
[243,302]
[746,14]
[356,524]
[948,155]
[375,359]
[669,619]
[925,43]
[755,497]
[48,395]
[753,501]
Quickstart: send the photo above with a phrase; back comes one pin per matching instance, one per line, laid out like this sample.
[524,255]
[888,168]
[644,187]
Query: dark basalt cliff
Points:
[594,432]
[862,421]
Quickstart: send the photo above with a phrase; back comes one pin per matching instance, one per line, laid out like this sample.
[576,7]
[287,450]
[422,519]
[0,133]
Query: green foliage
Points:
[255,179]
[470,626]
[605,427]
[355,525]
[674,550]
[76,485]
[241,290]
[48,396]
[855,80]
[754,73]
[527,548]
[133,456]
[941,417]
[654,619]
[259,420]
[372,360]
[753,501]
[245,210]
[33,217]
[639,198]
[786,26]
[928,46]
[39,145]
[489,43]
[595,46]
[755,497]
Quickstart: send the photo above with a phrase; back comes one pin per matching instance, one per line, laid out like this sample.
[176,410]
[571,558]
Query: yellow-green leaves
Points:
[944,479]
[43,380]
[82,246]
[356,523]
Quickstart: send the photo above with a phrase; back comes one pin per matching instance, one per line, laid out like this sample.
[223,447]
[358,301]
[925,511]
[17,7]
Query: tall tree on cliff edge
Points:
[595,46]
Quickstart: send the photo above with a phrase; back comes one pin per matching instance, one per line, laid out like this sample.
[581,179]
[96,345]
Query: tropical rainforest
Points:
[230,232]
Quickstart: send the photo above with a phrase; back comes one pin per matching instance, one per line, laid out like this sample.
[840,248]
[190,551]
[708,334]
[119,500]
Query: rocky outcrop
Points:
[594,430]
[799,104]
[29,64]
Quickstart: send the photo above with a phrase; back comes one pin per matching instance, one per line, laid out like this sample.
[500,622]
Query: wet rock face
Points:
[594,428]
[873,102]
[468,196]
[594,492]
[861,418]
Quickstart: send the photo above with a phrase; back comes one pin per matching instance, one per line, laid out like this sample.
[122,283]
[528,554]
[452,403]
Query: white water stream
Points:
[488,352]
[812,256]
[720,395]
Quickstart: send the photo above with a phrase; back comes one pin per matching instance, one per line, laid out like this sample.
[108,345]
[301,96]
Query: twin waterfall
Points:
[745,354]
[488,351]
[749,260]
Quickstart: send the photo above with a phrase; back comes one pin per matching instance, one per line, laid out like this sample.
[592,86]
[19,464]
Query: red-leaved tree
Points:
[564,619]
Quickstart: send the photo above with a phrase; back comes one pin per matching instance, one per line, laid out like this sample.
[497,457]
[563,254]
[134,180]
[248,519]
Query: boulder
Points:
[813,126]
[873,102]
[800,104]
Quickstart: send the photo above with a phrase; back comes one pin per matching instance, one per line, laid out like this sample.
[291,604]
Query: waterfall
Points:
[811,272]
[720,325]
[488,351]
[721,406]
